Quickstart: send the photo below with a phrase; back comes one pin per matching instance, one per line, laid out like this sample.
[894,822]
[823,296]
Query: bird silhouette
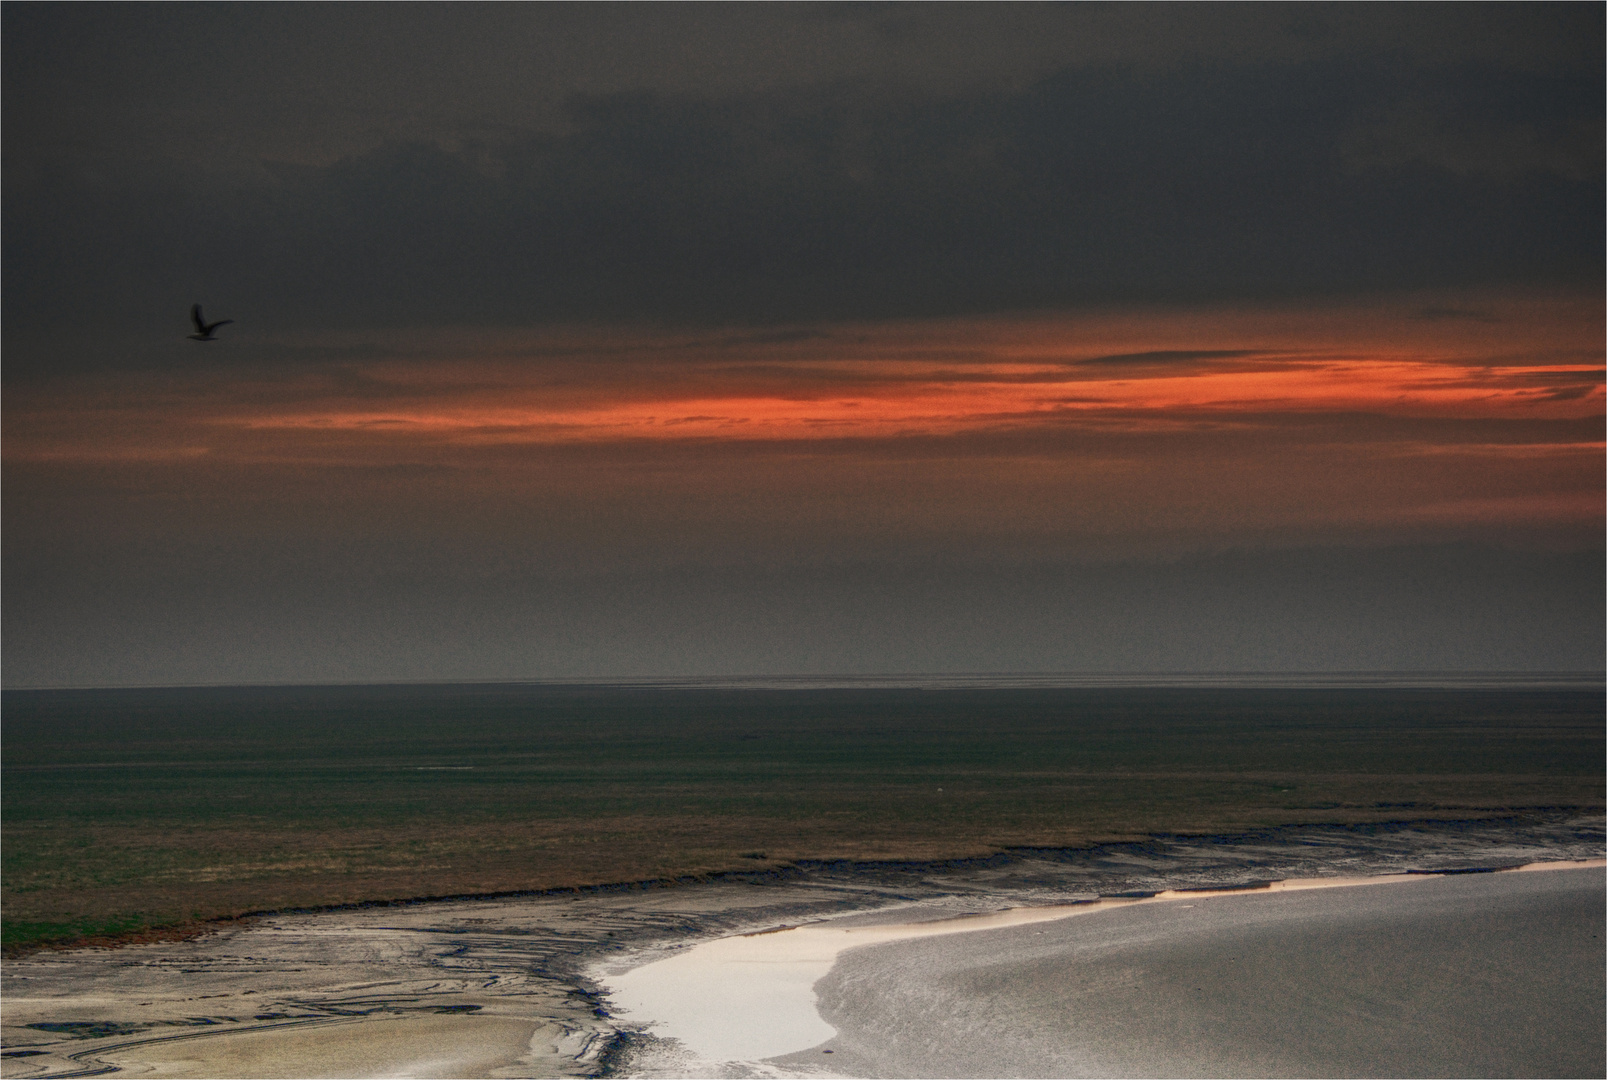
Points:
[203,329]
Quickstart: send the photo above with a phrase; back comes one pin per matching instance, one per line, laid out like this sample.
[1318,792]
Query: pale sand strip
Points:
[752,997]
[1478,975]
[378,1046]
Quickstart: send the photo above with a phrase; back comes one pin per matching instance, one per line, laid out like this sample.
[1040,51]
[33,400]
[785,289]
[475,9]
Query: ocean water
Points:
[165,802]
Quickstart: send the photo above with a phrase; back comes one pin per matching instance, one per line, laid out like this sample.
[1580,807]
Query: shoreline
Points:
[744,1000]
[291,990]
[1459,975]
[500,790]
[777,870]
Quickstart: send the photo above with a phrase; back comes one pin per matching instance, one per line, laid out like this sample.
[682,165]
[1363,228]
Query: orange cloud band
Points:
[1527,360]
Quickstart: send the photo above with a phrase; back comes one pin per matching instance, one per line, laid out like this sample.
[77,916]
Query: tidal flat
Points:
[129,813]
[522,986]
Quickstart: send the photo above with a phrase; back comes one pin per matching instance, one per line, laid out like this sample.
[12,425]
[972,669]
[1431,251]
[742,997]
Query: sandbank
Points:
[1405,974]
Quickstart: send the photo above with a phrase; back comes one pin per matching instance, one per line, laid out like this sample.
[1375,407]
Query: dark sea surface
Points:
[135,807]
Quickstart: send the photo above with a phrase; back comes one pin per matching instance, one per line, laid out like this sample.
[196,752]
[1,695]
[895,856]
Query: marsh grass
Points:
[131,810]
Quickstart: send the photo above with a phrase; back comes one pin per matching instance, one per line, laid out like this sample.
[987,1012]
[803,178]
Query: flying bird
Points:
[203,329]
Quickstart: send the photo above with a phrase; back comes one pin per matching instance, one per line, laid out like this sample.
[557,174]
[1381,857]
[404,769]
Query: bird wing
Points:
[221,322]
[195,317]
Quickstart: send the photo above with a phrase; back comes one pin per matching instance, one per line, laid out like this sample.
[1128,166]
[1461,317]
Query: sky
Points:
[599,341]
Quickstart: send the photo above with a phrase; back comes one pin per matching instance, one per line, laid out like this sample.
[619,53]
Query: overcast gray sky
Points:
[838,337]
[322,165]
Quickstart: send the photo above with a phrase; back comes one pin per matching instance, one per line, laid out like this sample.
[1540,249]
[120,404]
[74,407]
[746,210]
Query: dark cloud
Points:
[233,85]
[1440,313]
[1569,393]
[1170,356]
[1101,177]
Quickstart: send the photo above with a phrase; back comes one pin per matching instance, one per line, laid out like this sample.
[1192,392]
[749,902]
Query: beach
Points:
[1494,974]
[1171,956]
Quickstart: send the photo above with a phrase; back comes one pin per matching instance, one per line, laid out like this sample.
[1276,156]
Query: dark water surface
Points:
[131,807]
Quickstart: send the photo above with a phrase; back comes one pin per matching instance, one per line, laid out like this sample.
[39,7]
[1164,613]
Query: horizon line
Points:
[1448,679]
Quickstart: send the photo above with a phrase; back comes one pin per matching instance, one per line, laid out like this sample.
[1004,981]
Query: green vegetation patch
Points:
[21,932]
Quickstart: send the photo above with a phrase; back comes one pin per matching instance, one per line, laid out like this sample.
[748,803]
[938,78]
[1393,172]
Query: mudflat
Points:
[519,985]
[1486,975]
[423,1046]
[473,988]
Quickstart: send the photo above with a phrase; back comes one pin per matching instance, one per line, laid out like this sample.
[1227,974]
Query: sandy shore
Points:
[1394,975]
[459,988]
[1498,975]
[514,987]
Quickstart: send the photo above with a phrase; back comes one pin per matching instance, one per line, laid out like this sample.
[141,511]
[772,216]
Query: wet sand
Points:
[492,987]
[513,986]
[423,1046]
[1488,975]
